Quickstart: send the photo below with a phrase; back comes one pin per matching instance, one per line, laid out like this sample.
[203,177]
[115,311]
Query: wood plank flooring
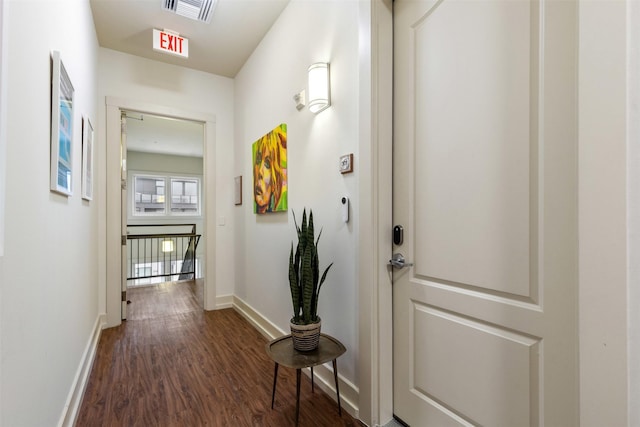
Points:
[173,364]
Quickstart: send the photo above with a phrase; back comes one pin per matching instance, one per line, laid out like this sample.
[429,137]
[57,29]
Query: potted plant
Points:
[305,283]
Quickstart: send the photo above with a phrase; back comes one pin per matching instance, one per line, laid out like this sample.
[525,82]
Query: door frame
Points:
[375,286]
[375,328]
[114,205]
[633,211]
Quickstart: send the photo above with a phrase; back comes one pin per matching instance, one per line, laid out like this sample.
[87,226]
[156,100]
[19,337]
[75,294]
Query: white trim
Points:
[74,399]
[603,224]
[224,301]
[349,393]
[113,211]
[261,323]
[374,215]
[633,211]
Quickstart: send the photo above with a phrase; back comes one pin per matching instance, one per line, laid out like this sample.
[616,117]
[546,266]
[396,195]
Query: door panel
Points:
[485,188]
[496,367]
[474,140]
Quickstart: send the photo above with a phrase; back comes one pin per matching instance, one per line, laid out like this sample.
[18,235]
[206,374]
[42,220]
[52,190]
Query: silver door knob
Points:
[398,261]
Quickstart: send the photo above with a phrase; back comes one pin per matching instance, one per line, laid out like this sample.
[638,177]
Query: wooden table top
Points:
[282,352]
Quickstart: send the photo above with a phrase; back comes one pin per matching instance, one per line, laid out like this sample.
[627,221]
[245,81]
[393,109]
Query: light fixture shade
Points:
[167,246]
[319,97]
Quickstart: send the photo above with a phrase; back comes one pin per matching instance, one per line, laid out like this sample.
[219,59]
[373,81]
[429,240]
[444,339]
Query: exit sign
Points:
[168,42]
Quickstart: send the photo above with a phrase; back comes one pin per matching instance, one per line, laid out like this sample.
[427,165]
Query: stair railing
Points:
[152,254]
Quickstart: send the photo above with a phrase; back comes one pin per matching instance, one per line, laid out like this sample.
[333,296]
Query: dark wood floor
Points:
[173,364]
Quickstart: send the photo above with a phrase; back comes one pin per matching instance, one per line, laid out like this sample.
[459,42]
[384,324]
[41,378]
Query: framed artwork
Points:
[269,156]
[87,159]
[238,190]
[61,128]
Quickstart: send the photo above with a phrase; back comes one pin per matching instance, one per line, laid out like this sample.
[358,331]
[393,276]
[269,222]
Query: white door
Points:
[485,320]
[123,212]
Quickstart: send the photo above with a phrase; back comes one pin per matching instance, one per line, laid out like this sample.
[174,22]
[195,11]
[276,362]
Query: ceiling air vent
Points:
[199,10]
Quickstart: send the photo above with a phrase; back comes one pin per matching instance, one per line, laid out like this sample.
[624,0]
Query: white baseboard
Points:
[224,301]
[261,323]
[349,394]
[74,400]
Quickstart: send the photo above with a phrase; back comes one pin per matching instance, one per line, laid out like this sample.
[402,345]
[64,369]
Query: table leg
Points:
[312,387]
[335,376]
[298,372]
[275,380]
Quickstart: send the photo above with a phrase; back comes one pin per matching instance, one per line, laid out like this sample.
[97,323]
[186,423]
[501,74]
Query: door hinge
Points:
[124,296]
[124,240]
[123,184]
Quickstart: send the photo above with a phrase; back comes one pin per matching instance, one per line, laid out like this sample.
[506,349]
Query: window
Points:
[149,195]
[184,195]
[165,196]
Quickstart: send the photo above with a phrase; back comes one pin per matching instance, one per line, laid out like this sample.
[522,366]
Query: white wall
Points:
[49,272]
[3,149]
[167,86]
[152,162]
[3,138]
[602,213]
[633,209]
[306,32]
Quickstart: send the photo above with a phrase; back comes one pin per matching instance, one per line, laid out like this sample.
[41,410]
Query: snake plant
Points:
[304,277]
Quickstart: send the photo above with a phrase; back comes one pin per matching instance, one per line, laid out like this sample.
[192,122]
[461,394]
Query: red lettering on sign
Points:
[163,40]
[170,42]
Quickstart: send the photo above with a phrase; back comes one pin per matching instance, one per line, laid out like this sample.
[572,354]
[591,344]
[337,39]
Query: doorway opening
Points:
[162,212]
[115,299]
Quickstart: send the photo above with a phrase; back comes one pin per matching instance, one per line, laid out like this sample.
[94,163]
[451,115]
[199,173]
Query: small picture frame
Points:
[346,163]
[238,190]
[61,128]
[87,159]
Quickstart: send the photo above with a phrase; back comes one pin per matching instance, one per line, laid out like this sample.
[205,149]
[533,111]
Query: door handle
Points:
[398,261]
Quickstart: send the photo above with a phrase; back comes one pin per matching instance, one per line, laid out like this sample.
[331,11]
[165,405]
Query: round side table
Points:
[282,352]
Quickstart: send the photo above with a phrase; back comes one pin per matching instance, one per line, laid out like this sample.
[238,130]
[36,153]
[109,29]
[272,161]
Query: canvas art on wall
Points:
[61,128]
[269,155]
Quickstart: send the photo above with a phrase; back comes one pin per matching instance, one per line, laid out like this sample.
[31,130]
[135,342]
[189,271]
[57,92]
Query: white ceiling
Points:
[152,134]
[220,47]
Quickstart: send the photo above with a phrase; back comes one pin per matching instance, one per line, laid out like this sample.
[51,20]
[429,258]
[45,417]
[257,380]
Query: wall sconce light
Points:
[167,246]
[319,90]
